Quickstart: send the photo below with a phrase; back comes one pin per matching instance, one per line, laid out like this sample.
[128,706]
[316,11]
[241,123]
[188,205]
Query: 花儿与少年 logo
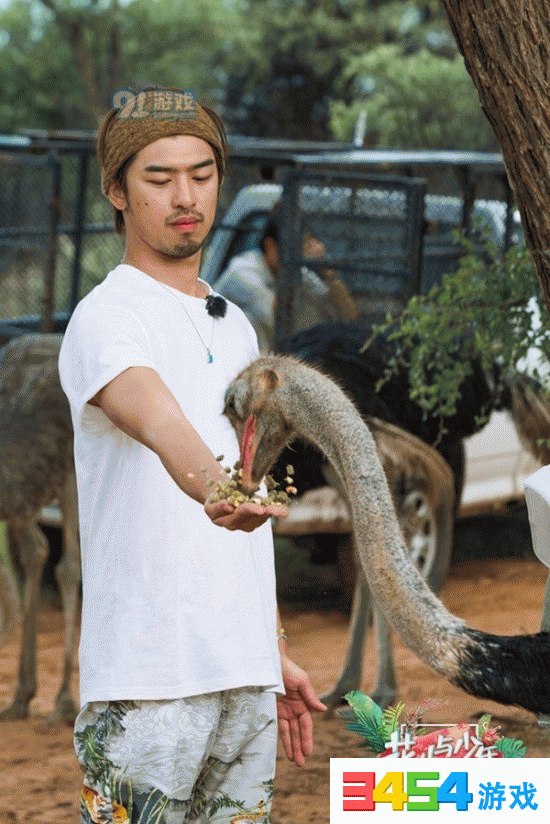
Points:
[387,736]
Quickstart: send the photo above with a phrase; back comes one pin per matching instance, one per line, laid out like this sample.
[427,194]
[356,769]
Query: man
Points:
[250,282]
[181,656]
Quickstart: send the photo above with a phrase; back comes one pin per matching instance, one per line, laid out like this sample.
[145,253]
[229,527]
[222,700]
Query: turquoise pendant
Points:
[210,357]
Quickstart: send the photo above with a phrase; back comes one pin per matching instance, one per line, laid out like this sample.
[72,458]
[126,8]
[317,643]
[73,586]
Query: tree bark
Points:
[506,50]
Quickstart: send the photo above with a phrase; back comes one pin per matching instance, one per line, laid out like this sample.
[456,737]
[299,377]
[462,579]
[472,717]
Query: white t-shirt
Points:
[173,606]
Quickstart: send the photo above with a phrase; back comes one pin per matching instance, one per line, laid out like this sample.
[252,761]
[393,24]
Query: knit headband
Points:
[142,118]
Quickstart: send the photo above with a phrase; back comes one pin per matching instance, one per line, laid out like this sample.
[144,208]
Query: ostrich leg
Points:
[385,689]
[33,553]
[10,602]
[385,683]
[350,676]
[67,573]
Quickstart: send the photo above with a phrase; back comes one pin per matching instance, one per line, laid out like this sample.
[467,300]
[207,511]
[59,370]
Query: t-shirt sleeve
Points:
[101,342]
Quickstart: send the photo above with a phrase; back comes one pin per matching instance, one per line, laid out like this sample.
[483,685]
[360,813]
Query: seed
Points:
[229,490]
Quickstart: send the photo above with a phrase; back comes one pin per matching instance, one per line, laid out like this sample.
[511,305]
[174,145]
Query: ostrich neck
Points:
[320,413]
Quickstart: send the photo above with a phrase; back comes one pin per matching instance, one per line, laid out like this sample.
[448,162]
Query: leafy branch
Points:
[486,311]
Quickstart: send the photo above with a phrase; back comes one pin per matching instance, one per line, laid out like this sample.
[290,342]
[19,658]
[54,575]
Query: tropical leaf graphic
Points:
[367,720]
[392,718]
[511,747]
[482,725]
[90,744]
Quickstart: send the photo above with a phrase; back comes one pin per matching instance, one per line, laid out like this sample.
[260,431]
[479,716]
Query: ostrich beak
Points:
[248,447]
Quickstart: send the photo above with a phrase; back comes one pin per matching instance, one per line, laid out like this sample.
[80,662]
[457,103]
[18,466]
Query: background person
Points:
[250,282]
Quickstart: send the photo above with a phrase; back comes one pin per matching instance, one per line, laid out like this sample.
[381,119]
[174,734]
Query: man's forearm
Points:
[186,458]
[141,405]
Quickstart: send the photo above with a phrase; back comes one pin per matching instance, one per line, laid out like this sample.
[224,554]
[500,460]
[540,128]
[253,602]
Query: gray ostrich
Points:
[36,468]
[278,398]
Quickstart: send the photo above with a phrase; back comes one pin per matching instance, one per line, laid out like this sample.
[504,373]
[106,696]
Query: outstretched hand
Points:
[246,517]
[294,710]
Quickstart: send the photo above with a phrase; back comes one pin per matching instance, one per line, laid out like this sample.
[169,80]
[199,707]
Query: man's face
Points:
[170,196]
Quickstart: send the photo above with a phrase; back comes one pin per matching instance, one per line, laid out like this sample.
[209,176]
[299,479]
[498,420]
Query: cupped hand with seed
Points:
[231,507]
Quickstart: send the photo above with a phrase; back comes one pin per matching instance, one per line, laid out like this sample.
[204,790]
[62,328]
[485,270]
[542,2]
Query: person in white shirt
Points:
[250,281]
[183,663]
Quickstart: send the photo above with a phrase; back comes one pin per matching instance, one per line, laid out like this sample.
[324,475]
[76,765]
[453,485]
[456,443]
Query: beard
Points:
[183,249]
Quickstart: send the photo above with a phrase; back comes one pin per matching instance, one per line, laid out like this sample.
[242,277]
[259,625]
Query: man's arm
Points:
[140,404]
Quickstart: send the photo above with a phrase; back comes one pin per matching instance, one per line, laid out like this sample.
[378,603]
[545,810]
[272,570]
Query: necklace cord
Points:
[210,356]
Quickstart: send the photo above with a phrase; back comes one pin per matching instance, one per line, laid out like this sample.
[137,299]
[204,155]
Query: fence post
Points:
[51,265]
[290,252]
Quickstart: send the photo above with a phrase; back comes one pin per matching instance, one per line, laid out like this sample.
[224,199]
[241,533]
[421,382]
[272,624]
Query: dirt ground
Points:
[39,779]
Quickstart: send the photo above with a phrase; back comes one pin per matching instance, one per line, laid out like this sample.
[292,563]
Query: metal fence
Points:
[56,232]
[370,228]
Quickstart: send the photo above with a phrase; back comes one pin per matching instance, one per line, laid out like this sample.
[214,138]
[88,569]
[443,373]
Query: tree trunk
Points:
[76,28]
[506,49]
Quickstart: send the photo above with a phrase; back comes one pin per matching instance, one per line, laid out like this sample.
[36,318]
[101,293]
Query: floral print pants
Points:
[207,758]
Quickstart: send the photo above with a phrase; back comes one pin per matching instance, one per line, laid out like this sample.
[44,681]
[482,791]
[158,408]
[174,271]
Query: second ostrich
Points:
[36,467]
[278,398]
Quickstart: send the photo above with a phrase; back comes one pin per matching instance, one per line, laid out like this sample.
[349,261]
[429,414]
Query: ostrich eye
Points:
[229,407]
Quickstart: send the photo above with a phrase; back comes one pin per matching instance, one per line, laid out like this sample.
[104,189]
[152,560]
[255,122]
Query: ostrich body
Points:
[36,469]
[278,398]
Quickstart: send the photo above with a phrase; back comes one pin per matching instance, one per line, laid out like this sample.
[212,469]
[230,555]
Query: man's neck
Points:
[180,273]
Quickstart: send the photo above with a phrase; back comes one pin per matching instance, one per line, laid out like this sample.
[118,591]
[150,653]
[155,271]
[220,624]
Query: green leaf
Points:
[392,716]
[482,725]
[367,720]
[489,311]
[511,747]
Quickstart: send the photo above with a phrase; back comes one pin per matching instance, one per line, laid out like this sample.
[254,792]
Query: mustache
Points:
[178,216]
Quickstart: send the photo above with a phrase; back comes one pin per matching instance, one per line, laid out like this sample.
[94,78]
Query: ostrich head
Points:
[255,404]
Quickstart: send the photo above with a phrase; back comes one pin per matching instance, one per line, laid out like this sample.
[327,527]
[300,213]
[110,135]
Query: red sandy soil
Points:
[39,778]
